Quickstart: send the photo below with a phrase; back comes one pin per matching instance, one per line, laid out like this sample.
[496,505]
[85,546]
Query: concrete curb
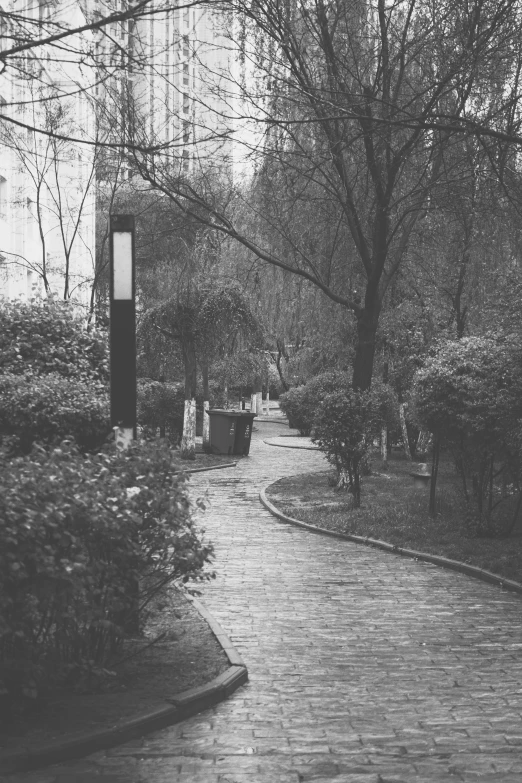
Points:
[287,446]
[210,467]
[178,707]
[444,562]
[272,420]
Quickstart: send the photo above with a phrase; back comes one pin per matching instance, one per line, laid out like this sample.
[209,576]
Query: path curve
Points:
[364,667]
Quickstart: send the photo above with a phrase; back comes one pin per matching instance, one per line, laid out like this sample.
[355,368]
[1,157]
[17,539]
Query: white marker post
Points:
[122,329]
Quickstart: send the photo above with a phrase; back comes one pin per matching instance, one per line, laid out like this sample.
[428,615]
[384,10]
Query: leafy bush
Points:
[78,534]
[292,403]
[48,337]
[469,395]
[345,424]
[160,406]
[49,408]
[53,376]
[300,403]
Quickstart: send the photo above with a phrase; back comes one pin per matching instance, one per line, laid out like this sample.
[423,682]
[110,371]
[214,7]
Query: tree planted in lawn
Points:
[469,395]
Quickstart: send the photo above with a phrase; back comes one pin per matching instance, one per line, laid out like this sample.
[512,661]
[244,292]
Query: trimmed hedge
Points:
[300,404]
[49,408]
[47,336]
[53,377]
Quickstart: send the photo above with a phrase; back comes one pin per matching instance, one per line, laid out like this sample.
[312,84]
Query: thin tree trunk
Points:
[404,431]
[434,474]
[257,392]
[188,440]
[206,426]
[384,447]
[422,442]
[206,406]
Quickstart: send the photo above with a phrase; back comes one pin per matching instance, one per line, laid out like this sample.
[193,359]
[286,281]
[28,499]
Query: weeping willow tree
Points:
[209,324]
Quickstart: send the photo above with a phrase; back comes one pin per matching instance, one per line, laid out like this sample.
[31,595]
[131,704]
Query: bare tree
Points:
[360,103]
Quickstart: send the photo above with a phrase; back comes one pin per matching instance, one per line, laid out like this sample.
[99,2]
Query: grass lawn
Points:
[393,510]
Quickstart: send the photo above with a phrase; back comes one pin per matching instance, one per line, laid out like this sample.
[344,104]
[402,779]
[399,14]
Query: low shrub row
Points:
[88,533]
[49,407]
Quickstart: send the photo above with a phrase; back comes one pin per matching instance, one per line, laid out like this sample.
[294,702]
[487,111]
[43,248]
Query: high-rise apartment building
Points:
[169,85]
[47,206]
[160,81]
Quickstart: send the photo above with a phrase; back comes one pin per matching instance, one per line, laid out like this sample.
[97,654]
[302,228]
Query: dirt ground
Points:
[187,655]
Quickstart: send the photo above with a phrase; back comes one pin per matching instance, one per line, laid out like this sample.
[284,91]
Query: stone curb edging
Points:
[179,707]
[210,467]
[439,560]
[288,446]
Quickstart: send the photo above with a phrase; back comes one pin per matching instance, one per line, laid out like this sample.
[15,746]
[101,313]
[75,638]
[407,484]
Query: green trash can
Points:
[223,426]
[244,426]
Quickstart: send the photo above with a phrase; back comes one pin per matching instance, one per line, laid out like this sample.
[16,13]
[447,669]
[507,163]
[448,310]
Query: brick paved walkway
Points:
[364,667]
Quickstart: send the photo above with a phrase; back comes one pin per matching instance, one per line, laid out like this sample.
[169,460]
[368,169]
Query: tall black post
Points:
[123,328]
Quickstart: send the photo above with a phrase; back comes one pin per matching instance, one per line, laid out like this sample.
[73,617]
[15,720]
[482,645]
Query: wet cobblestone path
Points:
[364,667]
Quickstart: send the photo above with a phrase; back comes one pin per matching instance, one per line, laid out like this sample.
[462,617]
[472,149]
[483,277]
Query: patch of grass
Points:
[393,510]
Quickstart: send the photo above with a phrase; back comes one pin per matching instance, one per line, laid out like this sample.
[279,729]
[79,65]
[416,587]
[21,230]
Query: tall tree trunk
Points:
[404,430]
[206,406]
[423,441]
[434,473]
[384,428]
[281,354]
[188,440]
[367,320]
[384,447]
[257,396]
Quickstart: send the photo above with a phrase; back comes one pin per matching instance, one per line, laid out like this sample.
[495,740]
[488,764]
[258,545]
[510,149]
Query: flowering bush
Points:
[78,535]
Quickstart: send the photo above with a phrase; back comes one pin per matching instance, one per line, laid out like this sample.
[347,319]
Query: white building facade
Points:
[47,165]
[170,69]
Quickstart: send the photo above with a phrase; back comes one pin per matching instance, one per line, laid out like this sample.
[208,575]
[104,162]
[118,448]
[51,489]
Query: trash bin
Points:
[243,432]
[223,426]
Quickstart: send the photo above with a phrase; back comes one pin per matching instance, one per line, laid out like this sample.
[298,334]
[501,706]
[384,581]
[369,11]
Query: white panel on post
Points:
[122,265]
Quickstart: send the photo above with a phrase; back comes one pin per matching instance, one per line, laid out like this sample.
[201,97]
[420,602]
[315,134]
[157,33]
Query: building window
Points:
[3,196]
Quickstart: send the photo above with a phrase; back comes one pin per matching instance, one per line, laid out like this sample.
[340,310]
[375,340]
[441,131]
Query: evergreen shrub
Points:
[345,424]
[86,540]
[53,376]
[300,403]
[469,394]
[48,408]
[161,406]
